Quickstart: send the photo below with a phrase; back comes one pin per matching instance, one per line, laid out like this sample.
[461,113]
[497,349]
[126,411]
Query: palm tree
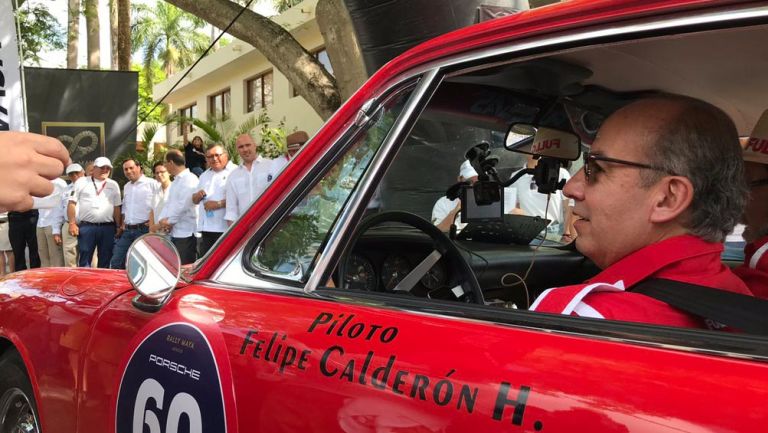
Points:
[169,35]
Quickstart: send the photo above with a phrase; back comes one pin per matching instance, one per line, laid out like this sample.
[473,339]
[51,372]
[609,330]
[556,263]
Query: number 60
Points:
[181,404]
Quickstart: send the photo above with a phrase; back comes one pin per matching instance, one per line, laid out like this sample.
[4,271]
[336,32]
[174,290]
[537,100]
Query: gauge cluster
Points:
[383,272]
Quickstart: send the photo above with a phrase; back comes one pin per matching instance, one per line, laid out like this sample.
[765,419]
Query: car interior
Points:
[479,107]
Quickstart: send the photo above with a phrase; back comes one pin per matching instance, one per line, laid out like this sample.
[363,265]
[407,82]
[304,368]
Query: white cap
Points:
[102,161]
[466,171]
[74,168]
[756,147]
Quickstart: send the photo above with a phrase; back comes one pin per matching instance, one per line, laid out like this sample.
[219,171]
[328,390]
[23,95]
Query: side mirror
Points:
[153,266]
[541,141]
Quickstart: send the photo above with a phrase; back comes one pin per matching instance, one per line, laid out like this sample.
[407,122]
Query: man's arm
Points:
[74,230]
[443,216]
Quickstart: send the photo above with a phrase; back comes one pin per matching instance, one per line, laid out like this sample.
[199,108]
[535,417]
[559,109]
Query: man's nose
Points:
[574,188]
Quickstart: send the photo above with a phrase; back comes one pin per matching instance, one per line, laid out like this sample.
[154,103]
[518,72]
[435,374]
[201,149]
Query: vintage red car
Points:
[304,319]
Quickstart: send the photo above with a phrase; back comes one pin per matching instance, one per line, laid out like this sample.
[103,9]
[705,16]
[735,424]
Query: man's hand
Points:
[119,231]
[212,205]
[27,164]
[198,196]
[74,230]
[57,239]
[165,225]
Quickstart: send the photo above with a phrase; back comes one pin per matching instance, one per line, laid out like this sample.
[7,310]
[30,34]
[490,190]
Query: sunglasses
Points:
[214,155]
[756,183]
[591,168]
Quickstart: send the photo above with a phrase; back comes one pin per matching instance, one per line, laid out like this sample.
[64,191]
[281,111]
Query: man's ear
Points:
[673,195]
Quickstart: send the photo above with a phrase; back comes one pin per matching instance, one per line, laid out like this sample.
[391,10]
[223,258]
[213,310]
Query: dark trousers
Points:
[92,236]
[206,242]
[22,234]
[122,245]
[187,249]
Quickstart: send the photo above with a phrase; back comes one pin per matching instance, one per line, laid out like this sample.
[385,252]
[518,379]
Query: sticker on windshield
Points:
[171,384]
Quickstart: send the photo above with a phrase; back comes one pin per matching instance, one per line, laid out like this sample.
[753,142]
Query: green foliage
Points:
[223,130]
[290,243]
[284,5]
[146,101]
[39,32]
[168,35]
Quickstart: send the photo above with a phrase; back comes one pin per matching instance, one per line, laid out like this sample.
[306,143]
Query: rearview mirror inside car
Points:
[542,141]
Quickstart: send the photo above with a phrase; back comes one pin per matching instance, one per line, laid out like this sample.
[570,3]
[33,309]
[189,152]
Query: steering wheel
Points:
[469,289]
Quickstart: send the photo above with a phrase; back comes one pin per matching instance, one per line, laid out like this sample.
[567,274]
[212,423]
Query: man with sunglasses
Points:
[651,204]
[754,271]
[211,197]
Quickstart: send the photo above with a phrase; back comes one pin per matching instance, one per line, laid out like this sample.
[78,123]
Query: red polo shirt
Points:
[682,258]
[754,271]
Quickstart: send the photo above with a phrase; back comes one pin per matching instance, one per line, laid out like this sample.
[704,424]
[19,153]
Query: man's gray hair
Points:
[701,143]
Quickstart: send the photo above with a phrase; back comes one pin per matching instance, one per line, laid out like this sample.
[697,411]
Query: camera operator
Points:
[445,210]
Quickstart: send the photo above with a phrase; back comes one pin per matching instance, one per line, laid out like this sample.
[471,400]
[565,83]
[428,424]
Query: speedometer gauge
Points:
[393,270]
[360,274]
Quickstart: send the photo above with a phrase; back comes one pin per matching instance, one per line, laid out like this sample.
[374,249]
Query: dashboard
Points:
[382,258]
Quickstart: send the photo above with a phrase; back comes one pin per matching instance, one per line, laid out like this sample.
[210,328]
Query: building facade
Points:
[237,80]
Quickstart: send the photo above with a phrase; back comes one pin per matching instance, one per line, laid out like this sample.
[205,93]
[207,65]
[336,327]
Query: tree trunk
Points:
[113,46]
[92,30]
[124,35]
[343,51]
[73,33]
[303,71]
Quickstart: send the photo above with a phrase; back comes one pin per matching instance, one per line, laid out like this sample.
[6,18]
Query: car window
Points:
[291,248]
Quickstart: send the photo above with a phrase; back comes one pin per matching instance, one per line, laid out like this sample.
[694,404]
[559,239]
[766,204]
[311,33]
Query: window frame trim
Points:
[248,95]
[220,93]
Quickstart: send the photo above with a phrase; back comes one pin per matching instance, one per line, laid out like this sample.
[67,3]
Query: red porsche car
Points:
[335,305]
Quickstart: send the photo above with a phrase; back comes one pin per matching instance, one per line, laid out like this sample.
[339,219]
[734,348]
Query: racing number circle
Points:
[393,270]
[171,384]
[360,274]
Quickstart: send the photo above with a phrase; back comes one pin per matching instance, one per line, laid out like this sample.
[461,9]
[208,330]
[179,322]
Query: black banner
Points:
[91,112]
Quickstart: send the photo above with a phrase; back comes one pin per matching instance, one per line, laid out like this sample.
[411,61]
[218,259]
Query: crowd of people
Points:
[89,222]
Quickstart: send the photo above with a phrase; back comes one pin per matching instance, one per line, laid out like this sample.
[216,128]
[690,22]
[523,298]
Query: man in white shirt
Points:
[211,197]
[140,194]
[94,212]
[48,207]
[249,180]
[60,230]
[179,214]
[533,203]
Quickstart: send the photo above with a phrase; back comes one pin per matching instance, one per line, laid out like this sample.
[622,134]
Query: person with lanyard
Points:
[48,248]
[754,271]
[247,181]
[94,214]
[140,194]
[179,214]
[211,197]
[61,234]
[651,205]
[161,175]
